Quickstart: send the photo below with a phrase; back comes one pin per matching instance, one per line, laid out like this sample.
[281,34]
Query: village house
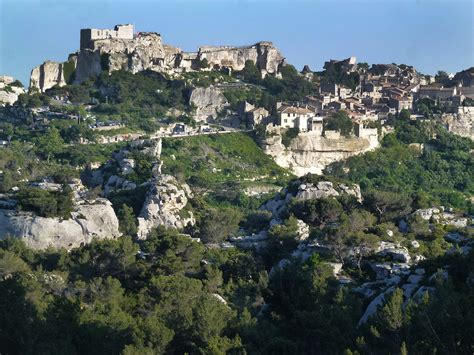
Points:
[314,103]
[335,90]
[401,102]
[315,125]
[294,117]
[252,115]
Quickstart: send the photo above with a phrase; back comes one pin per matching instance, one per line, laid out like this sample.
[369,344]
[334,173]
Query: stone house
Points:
[252,115]
[257,116]
[314,103]
[294,117]
[329,88]
[315,125]
[401,102]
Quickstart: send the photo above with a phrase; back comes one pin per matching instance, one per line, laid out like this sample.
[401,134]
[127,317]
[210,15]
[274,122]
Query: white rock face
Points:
[47,75]
[165,199]
[303,230]
[323,189]
[311,153]
[461,123]
[265,56]
[427,213]
[395,251]
[277,204]
[141,53]
[208,101]
[88,221]
[9,93]
[442,217]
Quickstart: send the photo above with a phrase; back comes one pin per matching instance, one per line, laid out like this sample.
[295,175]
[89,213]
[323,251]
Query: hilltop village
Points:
[365,96]
[266,197]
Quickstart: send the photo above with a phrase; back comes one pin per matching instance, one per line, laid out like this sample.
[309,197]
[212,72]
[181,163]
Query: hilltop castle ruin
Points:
[89,35]
[122,48]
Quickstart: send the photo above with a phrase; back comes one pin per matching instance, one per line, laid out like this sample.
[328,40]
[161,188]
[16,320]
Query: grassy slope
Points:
[213,159]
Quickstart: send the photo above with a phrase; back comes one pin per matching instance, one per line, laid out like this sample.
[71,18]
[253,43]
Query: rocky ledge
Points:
[90,219]
[311,153]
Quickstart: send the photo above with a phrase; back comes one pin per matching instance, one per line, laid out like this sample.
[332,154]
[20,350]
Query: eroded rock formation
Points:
[47,75]
[310,153]
[163,206]
[460,123]
[9,93]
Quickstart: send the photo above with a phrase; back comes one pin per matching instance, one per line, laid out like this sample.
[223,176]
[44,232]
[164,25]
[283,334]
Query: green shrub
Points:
[69,71]
[47,203]
[289,135]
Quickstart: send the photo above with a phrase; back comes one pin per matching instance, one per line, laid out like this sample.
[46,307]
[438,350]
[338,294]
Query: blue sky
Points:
[429,34]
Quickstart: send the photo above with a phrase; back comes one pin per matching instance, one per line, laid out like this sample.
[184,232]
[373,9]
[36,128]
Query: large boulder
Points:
[209,102]
[90,219]
[163,204]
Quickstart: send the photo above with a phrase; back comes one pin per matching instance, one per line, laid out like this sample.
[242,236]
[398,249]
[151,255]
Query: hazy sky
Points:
[431,35]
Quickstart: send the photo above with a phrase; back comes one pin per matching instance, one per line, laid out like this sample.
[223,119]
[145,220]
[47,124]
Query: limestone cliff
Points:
[9,91]
[461,123]
[208,102]
[47,75]
[265,56]
[95,219]
[311,153]
[145,51]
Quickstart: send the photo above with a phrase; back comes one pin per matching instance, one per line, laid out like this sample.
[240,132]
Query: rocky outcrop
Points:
[209,102]
[442,216]
[163,206]
[146,50]
[311,153]
[90,219]
[47,75]
[461,122]
[306,191]
[395,251]
[9,90]
[265,56]
[326,189]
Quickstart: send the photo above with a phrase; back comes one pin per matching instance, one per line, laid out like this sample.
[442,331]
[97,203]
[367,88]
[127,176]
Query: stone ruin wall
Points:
[124,50]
